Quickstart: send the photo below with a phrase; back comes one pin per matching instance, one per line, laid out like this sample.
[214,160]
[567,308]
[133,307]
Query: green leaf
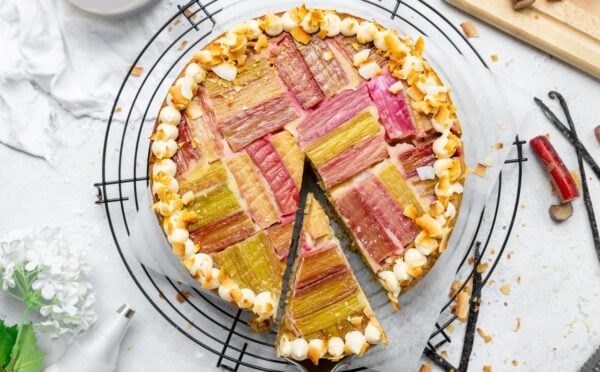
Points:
[26,357]
[8,337]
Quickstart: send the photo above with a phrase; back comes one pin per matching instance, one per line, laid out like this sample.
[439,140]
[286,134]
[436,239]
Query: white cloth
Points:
[53,53]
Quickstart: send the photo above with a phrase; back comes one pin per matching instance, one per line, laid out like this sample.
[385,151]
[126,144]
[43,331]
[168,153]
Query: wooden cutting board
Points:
[567,29]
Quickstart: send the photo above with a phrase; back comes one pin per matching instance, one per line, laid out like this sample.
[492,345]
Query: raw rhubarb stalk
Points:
[559,174]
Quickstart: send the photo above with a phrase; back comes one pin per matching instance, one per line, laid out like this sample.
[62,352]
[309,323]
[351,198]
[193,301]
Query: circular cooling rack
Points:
[215,325]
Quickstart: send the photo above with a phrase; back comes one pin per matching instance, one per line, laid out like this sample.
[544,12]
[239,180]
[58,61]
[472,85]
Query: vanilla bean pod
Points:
[586,192]
[569,136]
[473,314]
[438,360]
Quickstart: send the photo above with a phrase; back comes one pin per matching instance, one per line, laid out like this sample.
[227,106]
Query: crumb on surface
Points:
[518,325]
[450,328]
[118,109]
[486,338]
[137,71]
[480,170]
[494,57]
[182,296]
[183,44]
[470,260]
[515,362]
[189,13]
[487,368]
[425,368]
[469,29]
[505,289]
[461,308]
[499,145]
[482,267]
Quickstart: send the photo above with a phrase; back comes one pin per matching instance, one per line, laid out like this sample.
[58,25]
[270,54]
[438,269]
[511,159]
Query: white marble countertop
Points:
[556,300]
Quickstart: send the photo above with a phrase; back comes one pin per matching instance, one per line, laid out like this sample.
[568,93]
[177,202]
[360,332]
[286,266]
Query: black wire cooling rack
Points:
[214,325]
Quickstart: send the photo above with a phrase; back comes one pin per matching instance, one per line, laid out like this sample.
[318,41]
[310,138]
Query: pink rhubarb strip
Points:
[265,156]
[393,108]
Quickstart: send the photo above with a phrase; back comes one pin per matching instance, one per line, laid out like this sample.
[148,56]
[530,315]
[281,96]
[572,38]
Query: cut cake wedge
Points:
[326,315]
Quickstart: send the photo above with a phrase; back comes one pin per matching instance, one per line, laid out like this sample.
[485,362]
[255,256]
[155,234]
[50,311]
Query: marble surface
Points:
[556,300]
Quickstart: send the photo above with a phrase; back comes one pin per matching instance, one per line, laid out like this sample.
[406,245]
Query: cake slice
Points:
[326,315]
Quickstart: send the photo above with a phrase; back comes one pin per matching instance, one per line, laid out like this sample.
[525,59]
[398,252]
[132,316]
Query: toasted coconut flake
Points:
[430,225]
[361,57]
[328,56]
[396,87]
[225,71]
[369,70]
[300,35]
[356,321]
[426,173]
[261,43]
[469,29]
[410,211]
[313,354]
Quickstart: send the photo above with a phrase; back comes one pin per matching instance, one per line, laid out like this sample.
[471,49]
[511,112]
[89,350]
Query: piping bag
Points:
[98,350]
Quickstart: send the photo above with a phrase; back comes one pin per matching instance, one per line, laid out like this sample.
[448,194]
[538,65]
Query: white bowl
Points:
[111,7]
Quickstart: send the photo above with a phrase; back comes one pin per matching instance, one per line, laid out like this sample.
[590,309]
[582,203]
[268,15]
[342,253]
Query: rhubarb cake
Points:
[357,102]
[326,314]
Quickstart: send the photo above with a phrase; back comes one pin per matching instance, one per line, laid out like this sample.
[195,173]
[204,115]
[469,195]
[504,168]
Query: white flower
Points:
[54,277]
[7,276]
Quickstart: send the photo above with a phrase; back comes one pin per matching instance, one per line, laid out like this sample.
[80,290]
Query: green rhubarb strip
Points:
[253,264]
[334,289]
[361,127]
[201,177]
[330,315]
[398,188]
[214,204]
